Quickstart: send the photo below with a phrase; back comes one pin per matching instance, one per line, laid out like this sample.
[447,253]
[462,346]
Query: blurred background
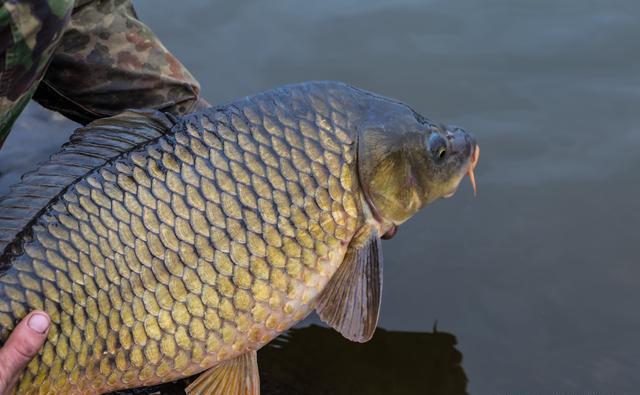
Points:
[538,276]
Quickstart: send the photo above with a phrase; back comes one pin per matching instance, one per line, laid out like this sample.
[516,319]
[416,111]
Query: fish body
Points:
[161,247]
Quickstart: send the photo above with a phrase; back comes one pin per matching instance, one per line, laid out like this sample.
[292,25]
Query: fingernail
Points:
[38,322]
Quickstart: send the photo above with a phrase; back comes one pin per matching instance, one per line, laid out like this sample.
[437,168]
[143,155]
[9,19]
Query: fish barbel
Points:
[162,247]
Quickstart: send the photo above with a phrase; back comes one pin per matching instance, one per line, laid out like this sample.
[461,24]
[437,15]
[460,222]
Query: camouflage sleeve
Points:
[108,61]
[29,33]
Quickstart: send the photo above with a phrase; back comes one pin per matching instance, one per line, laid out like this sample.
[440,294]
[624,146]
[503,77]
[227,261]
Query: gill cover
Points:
[392,164]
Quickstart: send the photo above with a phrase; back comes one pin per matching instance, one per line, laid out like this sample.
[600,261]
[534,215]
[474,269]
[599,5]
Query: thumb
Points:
[23,344]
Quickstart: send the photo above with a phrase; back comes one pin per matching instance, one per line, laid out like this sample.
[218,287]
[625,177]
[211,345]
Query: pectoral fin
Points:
[350,303]
[238,376]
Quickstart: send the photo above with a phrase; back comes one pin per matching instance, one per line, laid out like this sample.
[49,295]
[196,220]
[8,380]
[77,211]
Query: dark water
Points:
[538,278]
[319,361]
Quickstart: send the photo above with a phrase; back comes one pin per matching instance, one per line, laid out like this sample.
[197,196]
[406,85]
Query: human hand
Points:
[23,344]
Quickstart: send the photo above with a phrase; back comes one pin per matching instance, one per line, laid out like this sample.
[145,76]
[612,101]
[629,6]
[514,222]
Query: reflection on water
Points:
[318,361]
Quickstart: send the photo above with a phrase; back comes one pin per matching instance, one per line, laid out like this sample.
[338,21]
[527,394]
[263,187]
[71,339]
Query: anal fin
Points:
[238,376]
[350,303]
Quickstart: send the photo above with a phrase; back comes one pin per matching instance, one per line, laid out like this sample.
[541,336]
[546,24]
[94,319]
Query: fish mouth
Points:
[473,163]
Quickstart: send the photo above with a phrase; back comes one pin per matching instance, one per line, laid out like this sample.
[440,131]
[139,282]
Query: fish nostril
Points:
[460,143]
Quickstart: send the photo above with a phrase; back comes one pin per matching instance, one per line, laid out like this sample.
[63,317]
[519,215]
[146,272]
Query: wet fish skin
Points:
[192,249]
[201,244]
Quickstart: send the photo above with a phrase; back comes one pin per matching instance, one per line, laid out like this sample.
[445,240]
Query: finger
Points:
[23,344]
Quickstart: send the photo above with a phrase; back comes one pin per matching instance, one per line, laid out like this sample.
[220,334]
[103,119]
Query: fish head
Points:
[406,161]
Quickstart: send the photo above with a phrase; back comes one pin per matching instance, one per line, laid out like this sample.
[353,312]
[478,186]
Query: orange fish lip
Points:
[472,165]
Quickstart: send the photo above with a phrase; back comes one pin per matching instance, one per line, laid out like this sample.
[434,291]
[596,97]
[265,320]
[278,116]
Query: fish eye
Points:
[438,147]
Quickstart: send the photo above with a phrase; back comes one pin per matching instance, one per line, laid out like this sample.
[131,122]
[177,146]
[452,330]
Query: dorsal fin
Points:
[89,147]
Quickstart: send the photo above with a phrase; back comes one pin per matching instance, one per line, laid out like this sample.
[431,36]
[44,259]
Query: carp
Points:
[164,246]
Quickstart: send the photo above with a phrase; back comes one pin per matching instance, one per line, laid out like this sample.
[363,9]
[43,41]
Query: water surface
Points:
[538,276]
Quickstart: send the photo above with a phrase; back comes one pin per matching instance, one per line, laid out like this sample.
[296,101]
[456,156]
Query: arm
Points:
[108,61]
[30,30]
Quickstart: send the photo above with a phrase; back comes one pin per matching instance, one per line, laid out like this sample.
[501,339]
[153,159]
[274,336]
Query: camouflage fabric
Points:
[86,59]
[29,33]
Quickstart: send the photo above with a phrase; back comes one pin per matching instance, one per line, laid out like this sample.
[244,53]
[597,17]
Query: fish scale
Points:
[190,249]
